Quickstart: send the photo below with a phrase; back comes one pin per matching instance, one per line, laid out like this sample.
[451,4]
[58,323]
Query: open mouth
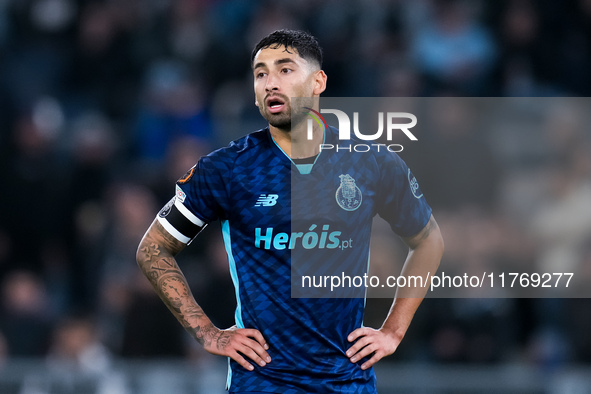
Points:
[275,104]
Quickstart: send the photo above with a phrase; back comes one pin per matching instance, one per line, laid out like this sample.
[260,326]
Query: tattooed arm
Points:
[426,249]
[156,258]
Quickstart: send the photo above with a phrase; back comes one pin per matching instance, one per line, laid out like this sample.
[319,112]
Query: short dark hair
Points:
[303,42]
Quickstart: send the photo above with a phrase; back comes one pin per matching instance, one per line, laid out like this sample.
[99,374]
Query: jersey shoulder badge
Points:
[187,177]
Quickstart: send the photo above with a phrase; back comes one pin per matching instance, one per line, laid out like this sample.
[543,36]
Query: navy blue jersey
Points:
[276,217]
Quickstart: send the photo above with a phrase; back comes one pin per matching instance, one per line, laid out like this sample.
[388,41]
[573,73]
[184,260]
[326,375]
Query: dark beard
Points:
[284,121]
[281,121]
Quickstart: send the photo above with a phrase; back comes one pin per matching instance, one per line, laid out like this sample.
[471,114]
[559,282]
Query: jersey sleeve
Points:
[201,197]
[400,201]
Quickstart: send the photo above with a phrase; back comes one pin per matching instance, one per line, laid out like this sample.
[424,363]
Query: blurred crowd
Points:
[104,104]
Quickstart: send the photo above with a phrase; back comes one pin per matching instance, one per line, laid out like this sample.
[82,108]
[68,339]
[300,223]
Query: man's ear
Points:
[256,102]
[320,82]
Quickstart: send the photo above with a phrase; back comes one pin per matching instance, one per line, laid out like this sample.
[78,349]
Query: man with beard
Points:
[282,344]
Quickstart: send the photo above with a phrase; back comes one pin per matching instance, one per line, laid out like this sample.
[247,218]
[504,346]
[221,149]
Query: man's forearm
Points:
[155,256]
[160,267]
[422,260]
[403,309]
[425,253]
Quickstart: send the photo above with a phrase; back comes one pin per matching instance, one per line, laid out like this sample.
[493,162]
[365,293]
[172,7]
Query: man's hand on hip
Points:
[238,343]
[371,341]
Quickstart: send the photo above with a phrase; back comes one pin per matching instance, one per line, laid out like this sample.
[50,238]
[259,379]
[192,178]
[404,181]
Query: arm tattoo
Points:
[156,259]
[171,244]
[205,335]
[151,250]
[209,335]
[163,265]
[223,340]
[194,312]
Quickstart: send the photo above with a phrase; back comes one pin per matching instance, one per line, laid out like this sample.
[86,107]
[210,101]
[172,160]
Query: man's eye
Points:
[285,70]
[260,75]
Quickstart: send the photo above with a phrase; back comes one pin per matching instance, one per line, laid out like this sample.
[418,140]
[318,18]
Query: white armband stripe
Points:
[173,231]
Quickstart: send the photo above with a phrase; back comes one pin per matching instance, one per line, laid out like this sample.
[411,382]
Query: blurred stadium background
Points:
[104,104]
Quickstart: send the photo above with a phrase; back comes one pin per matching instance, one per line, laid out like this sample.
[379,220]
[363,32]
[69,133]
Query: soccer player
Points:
[282,344]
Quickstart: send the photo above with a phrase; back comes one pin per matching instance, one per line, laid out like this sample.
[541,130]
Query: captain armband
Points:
[179,221]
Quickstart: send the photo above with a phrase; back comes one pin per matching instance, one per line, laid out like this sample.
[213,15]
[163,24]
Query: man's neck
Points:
[295,142]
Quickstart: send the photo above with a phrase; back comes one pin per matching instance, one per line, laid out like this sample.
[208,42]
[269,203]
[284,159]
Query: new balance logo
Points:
[266,200]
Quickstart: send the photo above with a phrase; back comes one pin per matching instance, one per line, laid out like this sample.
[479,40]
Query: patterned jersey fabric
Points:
[280,223]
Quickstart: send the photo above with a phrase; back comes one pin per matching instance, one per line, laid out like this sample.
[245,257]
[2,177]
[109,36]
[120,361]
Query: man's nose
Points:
[272,83]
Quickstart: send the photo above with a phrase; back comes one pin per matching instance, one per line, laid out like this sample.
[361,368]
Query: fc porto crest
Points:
[348,195]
